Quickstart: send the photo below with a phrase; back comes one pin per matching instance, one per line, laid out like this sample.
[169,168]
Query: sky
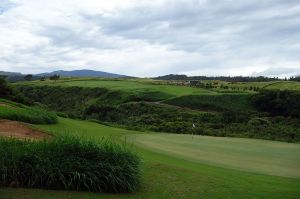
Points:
[148,38]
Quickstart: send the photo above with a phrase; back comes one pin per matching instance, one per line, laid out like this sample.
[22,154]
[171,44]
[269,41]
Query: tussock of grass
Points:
[33,115]
[68,163]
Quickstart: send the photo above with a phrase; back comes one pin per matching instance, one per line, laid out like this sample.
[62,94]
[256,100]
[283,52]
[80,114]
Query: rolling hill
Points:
[82,73]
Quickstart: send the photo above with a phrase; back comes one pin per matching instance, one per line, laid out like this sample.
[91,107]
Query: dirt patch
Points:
[10,128]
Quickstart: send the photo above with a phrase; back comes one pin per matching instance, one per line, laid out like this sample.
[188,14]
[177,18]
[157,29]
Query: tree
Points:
[5,90]
[278,102]
[54,77]
[43,78]
[28,77]
[297,78]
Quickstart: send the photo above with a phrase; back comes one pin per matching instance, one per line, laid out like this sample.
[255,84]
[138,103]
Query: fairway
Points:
[266,157]
[125,85]
[195,163]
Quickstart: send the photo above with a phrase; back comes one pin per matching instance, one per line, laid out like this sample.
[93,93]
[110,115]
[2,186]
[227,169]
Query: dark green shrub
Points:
[234,117]
[69,163]
[233,102]
[5,90]
[277,102]
[259,122]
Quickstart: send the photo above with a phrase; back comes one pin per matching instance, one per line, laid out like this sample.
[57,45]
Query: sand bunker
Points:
[10,128]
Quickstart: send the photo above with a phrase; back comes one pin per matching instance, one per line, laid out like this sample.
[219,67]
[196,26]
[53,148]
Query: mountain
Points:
[82,73]
[5,73]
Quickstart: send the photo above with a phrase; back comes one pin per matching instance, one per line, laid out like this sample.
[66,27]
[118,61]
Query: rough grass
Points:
[69,163]
[34,115]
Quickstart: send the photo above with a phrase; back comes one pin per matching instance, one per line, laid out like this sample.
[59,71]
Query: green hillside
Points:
[122,85]
[20,112]
[149,105]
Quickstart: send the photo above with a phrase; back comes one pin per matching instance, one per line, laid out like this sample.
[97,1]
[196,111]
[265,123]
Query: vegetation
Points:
[174,164]
[19,112]
[297,78]
[276,102]
[54,77]
[222,78]
[214,102]
[28,77]
[5,90]
[132,86]
[68,163]
[204,114]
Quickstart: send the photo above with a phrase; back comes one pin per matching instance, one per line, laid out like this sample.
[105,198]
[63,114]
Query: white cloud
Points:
[148,38]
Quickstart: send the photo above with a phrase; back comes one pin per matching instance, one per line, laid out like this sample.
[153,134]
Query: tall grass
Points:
[33,115]
[68,163]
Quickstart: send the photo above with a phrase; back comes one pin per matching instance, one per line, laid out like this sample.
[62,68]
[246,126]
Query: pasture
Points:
[179,166]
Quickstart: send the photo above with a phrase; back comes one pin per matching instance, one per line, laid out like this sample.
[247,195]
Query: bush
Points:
[70,100]
[277,102]
[5,90]
[259,122]
[68,163]
[229,102]
[233,117]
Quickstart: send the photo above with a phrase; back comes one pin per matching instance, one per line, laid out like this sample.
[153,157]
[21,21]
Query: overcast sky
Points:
[152,37]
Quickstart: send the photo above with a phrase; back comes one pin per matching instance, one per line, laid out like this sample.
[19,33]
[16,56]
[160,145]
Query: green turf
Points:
[245,154]
[183,174]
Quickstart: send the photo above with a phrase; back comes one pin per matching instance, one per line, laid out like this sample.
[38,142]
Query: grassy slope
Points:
[124,85]
[282,85]
[168,175]
[19,112]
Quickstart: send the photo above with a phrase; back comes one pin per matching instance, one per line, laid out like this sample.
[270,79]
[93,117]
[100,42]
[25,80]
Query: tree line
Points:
[226,78]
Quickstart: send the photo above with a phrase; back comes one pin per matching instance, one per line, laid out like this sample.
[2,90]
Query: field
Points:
[201,167]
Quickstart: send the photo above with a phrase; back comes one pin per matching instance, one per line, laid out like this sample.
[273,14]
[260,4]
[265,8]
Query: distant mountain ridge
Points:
[16,76]
[5,73]
[82,73]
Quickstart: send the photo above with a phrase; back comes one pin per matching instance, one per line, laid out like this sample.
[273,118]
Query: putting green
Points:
[259,156]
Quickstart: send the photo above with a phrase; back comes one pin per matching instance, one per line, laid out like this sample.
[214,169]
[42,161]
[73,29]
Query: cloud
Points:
[5,5]
[279,72]
[148,38]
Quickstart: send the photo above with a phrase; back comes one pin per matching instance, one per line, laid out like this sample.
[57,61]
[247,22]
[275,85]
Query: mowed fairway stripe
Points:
[260,156]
